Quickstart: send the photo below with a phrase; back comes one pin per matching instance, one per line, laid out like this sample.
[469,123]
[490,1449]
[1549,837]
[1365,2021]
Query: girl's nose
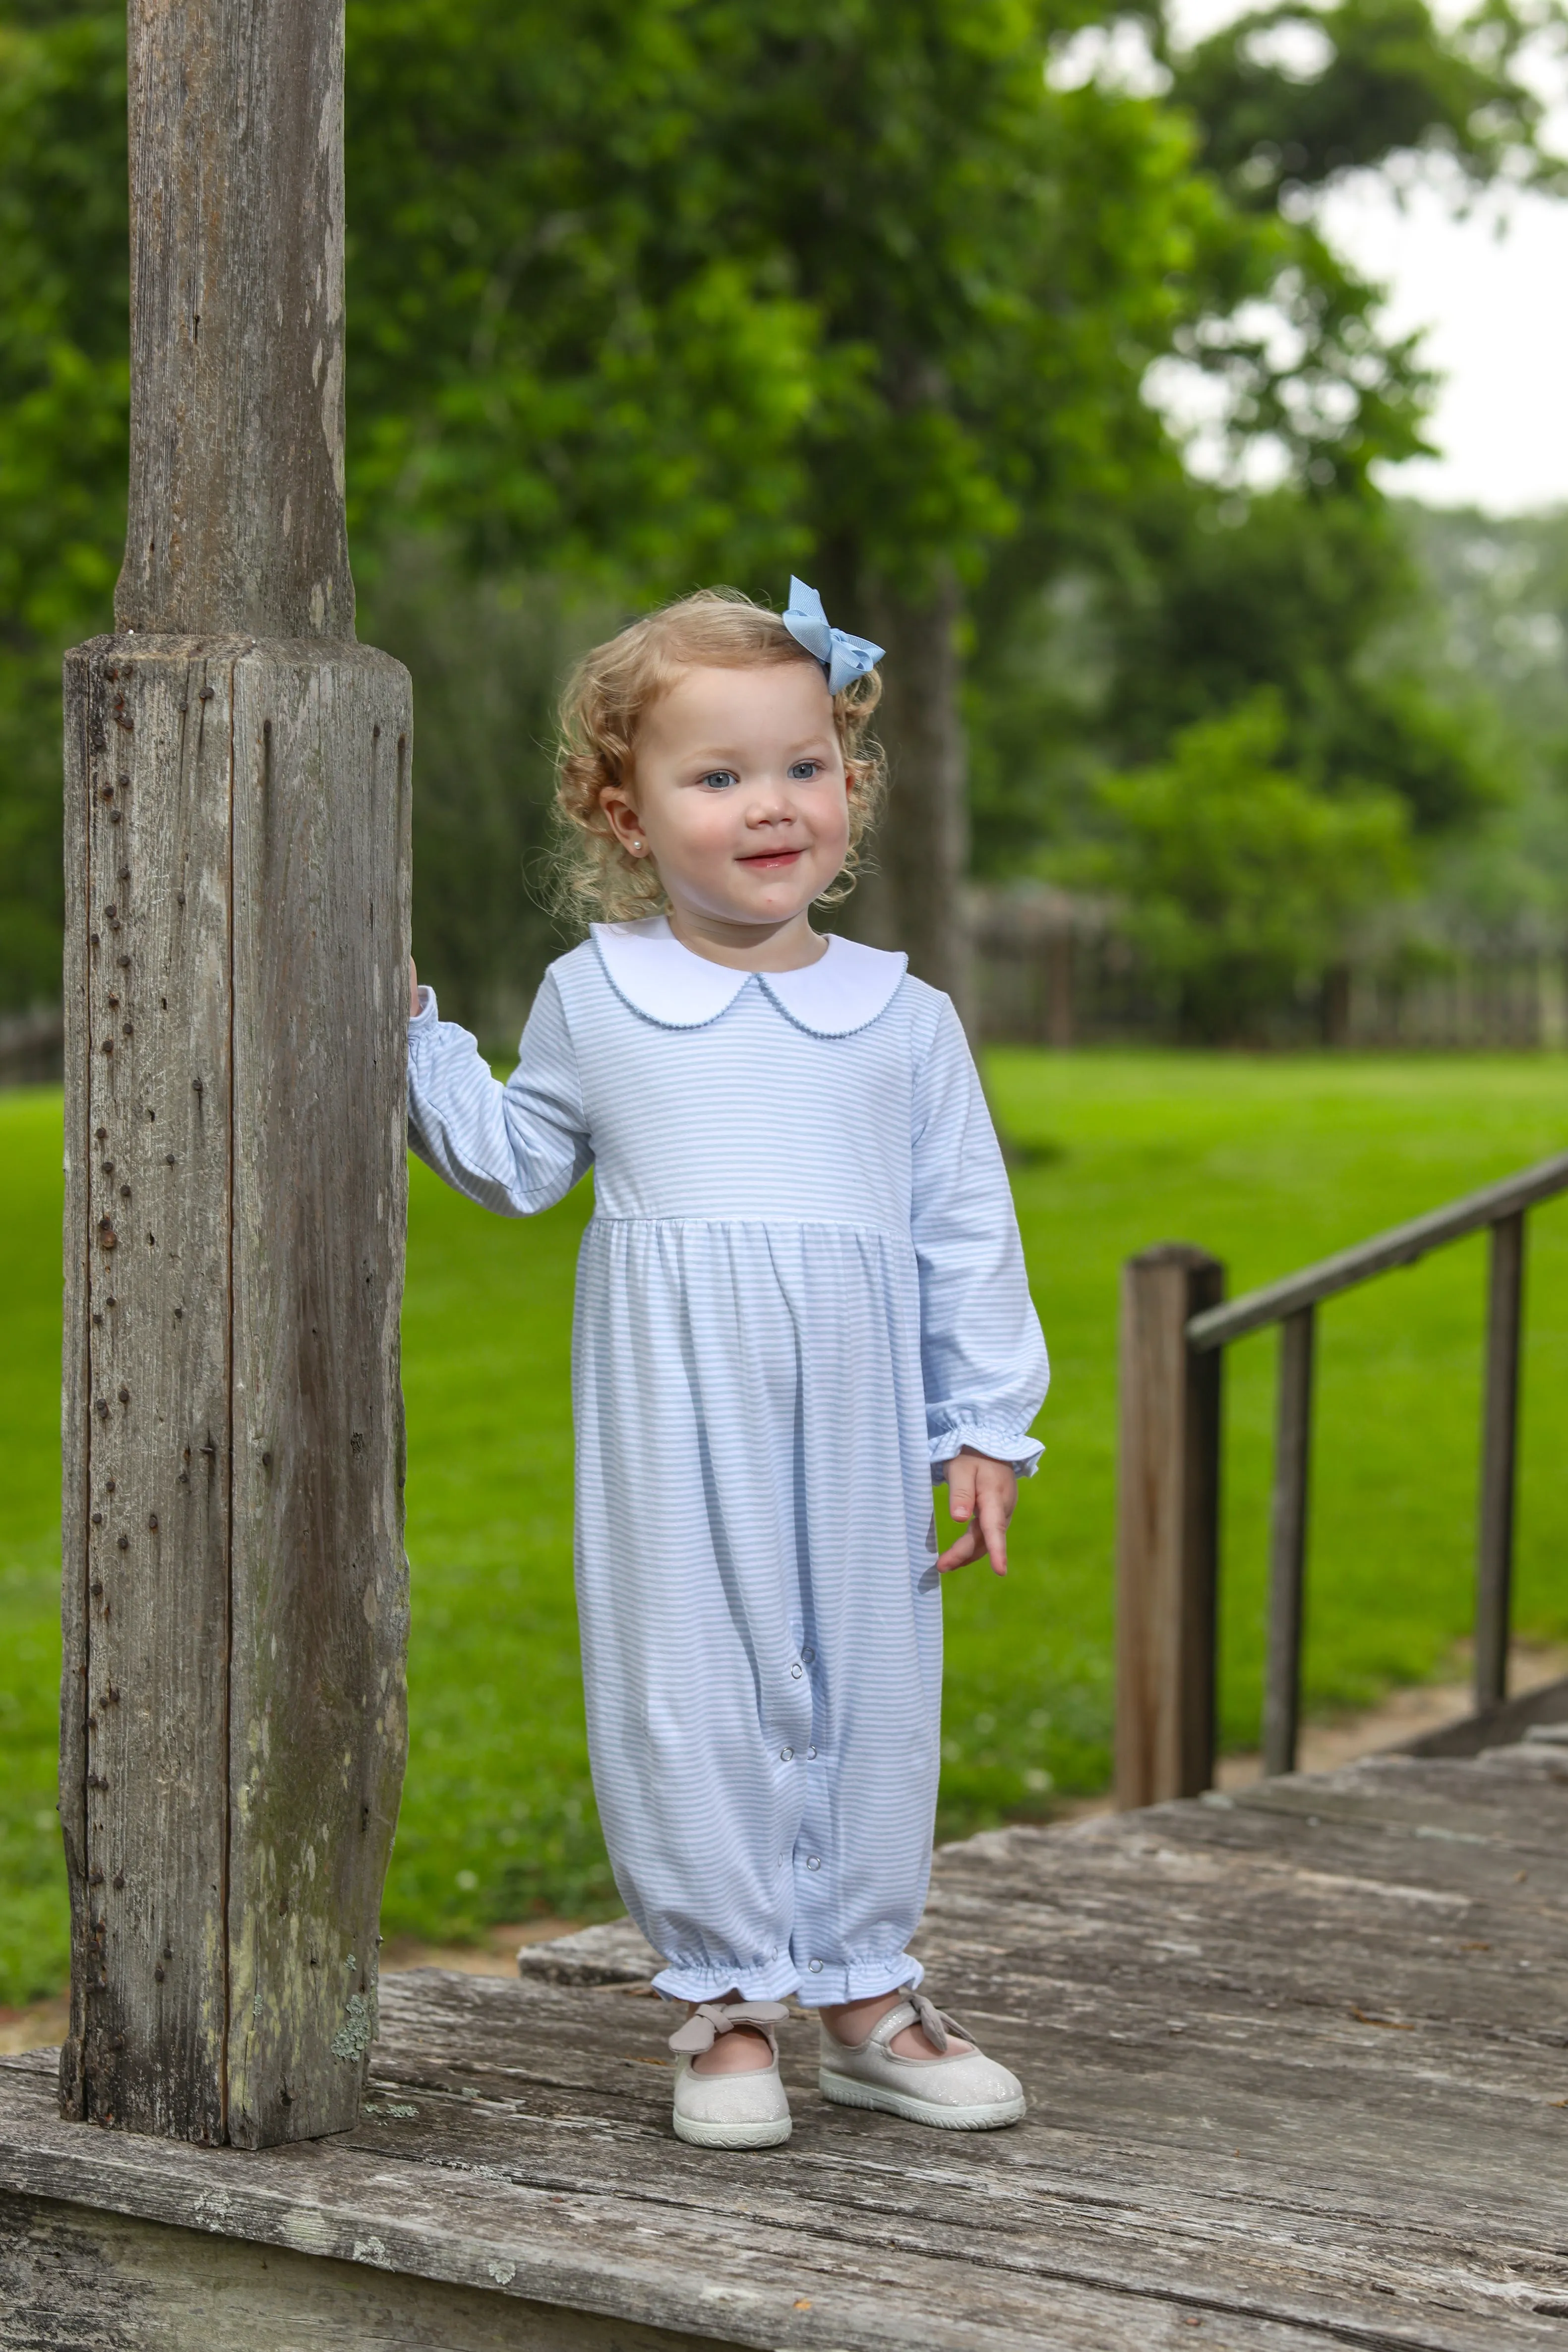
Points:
[771,805]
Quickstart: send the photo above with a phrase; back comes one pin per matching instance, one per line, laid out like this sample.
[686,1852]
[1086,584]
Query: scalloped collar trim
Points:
[647,965]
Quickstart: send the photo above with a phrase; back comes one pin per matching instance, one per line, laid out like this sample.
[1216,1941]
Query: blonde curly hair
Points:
[605,700]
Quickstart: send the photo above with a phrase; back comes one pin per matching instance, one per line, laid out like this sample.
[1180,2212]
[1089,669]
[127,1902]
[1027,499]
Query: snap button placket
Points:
[786,1754]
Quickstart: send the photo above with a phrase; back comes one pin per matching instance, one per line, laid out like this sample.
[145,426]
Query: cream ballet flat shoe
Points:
[746,2110]
[964,2091]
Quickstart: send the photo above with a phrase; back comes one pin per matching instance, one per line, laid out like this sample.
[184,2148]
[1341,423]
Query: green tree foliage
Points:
[1289,97]
[1175,605]
[683,279]
[1489,637]
[1204,600]
[1237,878]
[64,387]
[1494,615]
[559,349]
[654,291]
[993,260]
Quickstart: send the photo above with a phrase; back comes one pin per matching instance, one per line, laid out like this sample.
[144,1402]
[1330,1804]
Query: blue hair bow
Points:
[843,657]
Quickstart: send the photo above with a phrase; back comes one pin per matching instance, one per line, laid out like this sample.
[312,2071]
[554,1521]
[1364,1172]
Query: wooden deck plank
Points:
[1299,2066]
[80,2277]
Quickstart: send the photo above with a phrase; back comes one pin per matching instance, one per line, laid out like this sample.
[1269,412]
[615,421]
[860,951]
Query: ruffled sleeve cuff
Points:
[426,1021]
[1021,1454]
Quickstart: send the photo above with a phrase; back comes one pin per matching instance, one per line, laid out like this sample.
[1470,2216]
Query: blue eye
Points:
[719,778]
[804,770]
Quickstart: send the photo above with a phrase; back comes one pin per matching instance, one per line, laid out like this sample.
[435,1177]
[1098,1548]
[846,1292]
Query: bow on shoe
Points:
[843,657]
[935,2021]
[712,2018]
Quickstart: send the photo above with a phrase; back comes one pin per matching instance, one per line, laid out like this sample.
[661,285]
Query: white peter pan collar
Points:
[647,965]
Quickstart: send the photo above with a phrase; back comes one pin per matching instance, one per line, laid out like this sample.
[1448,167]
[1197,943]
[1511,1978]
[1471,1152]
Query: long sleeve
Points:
[982,1354]
[515,1148]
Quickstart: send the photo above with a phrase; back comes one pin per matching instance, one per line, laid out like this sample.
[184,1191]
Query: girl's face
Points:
[739,794]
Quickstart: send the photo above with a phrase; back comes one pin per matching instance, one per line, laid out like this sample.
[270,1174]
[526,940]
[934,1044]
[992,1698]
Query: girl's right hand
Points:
[982,1496]
[413,989]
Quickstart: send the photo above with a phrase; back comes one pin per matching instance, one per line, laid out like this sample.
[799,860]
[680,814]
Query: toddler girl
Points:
[800,1300]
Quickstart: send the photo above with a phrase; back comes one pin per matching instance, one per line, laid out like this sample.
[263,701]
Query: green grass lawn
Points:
[1268,1162]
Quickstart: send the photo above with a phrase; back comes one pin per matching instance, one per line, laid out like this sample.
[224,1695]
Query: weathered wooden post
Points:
[1499,1445]
[1288,1539]
[1167,1527]
[236,822]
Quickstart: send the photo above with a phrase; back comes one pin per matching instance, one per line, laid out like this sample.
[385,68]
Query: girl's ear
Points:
[624,822]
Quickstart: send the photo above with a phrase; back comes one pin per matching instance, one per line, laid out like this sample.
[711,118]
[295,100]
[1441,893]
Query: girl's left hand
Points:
[985,1494]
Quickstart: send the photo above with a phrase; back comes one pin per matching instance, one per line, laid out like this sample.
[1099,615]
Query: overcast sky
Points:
[1496,315]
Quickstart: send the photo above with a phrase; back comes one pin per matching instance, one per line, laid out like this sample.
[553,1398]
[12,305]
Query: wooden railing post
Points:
[1499,1433]
[1167,1533]
[1288,1547]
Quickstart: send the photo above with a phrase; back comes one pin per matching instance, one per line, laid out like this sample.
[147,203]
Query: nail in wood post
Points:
[1288,1549]
[236,822]
[1499,1432]
[1167,1531]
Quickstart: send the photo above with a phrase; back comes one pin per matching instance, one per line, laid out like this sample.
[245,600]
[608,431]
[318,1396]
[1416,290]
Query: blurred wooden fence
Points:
[31,1046]
[1518,1001]
[1052,969]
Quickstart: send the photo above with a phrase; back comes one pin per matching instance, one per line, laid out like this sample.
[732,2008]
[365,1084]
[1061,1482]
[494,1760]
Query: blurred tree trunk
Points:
[1337,1004]
[915,900]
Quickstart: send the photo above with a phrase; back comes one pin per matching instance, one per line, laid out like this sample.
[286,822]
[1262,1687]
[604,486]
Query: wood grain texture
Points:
[319,1580]
[150,1574]
[237,815]
[1298,2062]
[615,1953]
[82,764]
[236,320]
[84,2281]
[1167,1527]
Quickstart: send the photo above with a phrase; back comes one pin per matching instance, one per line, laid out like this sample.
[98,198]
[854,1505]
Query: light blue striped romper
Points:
[801,1291]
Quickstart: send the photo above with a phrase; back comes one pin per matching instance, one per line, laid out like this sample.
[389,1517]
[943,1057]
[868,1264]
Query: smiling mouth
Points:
[771,858]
